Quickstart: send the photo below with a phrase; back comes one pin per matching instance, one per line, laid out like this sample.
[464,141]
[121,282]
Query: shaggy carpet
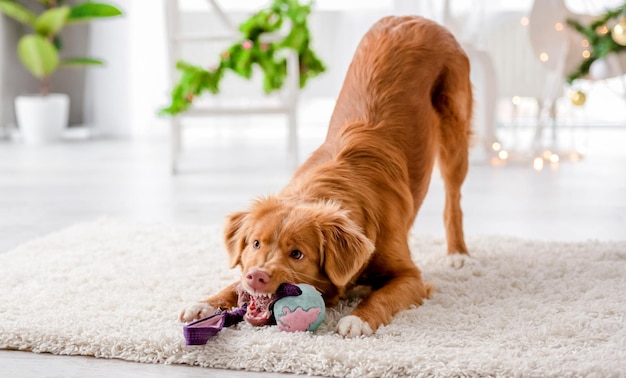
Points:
[113,289]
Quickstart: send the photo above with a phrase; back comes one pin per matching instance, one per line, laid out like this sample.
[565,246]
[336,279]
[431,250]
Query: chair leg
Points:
[292,142]
[175,147]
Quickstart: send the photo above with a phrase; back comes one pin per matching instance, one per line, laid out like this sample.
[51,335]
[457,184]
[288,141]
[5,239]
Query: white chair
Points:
[286,104]
[518,73]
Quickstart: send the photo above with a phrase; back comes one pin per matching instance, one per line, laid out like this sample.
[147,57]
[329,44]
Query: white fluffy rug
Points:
[112,289]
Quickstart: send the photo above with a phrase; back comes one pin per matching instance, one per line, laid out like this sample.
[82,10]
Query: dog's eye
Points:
[296,255]
[256,244]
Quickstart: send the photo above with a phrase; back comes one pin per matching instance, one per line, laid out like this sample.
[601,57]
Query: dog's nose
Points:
[257,279]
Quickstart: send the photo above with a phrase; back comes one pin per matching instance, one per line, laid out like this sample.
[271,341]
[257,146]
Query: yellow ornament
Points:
[619,32]
[578,98]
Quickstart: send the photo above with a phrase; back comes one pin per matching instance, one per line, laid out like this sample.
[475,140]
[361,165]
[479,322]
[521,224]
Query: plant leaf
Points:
[52,21]
[72,62]
[18,12]
[58,44]
[38,55]
[87,11]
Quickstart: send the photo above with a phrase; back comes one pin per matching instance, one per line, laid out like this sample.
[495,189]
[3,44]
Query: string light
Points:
[496,146]
[503,155]
[619,32]
[554,158]
[543,57]
[538,164]
[558,26]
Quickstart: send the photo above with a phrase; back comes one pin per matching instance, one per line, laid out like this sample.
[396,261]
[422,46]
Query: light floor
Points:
[43,189]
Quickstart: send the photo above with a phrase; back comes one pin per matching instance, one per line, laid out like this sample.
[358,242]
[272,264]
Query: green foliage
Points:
[39,51]
[18,12]
[75,62]
[251,50]
[89,11]
[38,55]
[600,44]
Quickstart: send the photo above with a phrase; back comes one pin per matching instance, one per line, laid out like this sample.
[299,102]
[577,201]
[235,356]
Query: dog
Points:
[343,219]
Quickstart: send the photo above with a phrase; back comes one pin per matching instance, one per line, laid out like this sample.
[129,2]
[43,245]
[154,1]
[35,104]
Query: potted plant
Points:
[43,117]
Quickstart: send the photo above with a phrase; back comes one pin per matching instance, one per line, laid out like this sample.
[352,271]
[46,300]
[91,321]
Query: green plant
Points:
[601,40]
[39,51]
[253,50]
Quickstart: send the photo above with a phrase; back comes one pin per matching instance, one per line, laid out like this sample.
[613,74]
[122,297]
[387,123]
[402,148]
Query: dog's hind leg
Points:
[452,100]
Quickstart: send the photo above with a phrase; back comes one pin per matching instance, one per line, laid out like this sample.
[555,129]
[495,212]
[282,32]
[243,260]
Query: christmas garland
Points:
[251,50]
[602,39]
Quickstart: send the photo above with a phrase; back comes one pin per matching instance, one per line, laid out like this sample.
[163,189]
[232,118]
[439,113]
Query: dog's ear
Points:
[345,249]
[235,237]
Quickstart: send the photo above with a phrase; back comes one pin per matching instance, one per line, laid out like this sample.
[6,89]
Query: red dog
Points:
[344,218]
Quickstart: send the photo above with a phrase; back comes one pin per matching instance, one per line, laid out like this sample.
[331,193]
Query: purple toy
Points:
[199,331]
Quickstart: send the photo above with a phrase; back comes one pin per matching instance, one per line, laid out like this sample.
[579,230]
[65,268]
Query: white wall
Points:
[124,97]
[107,97]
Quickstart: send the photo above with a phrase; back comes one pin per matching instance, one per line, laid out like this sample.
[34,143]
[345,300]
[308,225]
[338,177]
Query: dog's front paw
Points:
[197,311]
[353,326]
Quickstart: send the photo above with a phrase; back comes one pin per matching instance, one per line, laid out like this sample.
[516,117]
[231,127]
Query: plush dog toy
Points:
[295,308]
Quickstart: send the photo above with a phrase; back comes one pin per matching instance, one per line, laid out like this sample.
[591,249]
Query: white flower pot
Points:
[42,119]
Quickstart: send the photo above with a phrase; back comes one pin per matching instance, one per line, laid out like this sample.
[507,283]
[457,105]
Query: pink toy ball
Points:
[304,312]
